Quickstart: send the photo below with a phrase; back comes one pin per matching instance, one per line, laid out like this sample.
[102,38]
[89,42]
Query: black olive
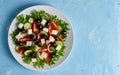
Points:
[47,23]
[23,31]
[20,30]
[56,38]
[32,36]
[39,44]
[38,22]
[53,44]
[34,55]
[64,32]
[53,54]
[44,36]
[19,43]
[41,26]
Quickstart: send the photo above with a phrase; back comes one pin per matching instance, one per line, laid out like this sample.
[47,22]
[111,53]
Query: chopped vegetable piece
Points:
[27,26]
[35,27]
[21,50]
[25,39]
[27,52]
[47,59]
[54,25]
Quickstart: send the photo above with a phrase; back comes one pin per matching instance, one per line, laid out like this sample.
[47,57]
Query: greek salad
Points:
[39,38]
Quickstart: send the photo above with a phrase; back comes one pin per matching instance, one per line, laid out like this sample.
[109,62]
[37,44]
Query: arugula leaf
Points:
[26,59]
[43,15]
[56,57]
[22,19]
[14,33]
[39,63]
[51,62]
[35,48]
[28,17]
[59,53]
[35,15]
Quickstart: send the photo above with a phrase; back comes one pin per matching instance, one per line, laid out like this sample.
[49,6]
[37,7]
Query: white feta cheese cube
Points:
[34,59]
[42,41]
[31,20]
[29,43]
[29,31]
[24,34]
[45,29]
[43,22]
[20,25]
[51,39]
[58,47]
[18,36]
[44,54]
[54,32]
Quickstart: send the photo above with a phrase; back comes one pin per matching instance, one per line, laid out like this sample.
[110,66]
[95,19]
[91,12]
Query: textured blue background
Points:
[96,27]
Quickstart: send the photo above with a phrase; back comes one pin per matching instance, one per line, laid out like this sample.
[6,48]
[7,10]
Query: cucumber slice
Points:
[52,49]
[35,48]
[60,29]
[16,48]
[27,26]
[27,52]
[45,33]
[40,57]
[59,43]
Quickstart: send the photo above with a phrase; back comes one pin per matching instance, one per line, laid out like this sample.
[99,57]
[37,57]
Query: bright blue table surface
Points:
[96,49]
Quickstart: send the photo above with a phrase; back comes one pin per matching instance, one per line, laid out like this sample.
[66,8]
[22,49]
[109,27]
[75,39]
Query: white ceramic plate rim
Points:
[68,43]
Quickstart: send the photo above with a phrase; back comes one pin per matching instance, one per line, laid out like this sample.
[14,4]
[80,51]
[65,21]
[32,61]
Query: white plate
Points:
[68,43]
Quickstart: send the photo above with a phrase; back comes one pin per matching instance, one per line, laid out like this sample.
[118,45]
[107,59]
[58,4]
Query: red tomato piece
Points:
[54,25]
[35,27]
[38,36]
[49,30]
[47,42]
[25,39]
[60,37]
[21,50]
[47,59]
[43,49]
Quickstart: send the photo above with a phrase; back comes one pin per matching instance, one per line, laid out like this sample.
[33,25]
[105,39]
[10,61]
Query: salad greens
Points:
[40,37]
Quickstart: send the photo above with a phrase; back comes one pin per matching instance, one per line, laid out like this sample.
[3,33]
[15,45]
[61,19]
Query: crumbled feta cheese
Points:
[34,59]
[29,43]
[24,34]
[18,36]
[44,54]
[42,41]
[51,39]
[58,47]
[45,29]
[20,25]
[43,22]
[29,31]
[54,32]
[31,20]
